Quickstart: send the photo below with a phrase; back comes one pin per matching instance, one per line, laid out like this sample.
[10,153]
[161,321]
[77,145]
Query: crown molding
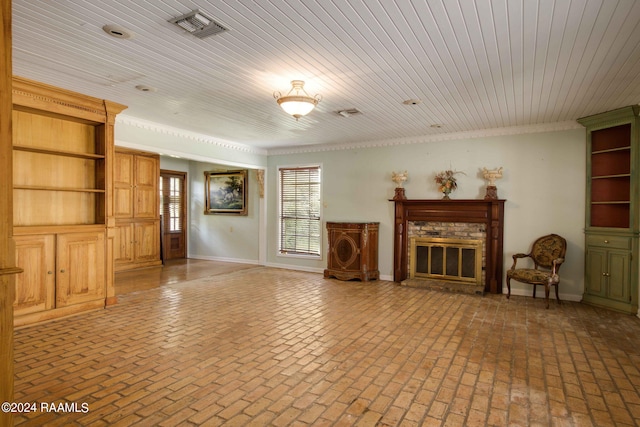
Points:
[185,155]
[182,133]
[222,143]
[483,133]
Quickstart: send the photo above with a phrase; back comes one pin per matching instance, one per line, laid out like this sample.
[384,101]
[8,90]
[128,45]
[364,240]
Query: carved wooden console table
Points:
[488,212]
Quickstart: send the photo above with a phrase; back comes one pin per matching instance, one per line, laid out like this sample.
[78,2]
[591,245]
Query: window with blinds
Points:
[171,196]
[300,205]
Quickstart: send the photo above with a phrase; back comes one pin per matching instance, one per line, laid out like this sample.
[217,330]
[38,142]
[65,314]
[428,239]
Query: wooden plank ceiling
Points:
[475,65]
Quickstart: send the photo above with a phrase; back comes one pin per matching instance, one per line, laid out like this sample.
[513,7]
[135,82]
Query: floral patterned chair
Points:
[547,254]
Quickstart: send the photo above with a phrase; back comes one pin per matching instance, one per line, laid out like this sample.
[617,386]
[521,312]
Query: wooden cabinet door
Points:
[123,182]
[353,251]
[146,241]
[595,281]
[123,244]
[35,286]
[345,250]
[80,273]
[137,210]
[147,174]
[619,276]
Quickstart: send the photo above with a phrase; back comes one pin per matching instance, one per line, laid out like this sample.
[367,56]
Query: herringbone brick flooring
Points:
[264,346]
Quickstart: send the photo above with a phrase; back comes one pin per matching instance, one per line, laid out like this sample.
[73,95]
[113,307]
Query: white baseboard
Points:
[272,264]
[540,294]
[517,292]
[295,267]
[315,270]
[223,259]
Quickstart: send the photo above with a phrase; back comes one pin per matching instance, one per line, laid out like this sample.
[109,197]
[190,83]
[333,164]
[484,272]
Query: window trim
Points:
[279,251]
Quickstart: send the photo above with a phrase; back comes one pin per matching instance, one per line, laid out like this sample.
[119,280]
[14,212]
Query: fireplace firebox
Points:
[487,213]
[446,259]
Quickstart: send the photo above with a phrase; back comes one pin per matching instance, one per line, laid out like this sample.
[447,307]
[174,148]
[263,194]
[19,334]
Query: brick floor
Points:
[264,346]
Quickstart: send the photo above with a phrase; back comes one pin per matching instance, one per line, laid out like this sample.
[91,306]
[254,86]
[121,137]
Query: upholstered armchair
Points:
[547,254]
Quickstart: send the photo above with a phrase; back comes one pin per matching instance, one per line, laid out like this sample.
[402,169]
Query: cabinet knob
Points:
[49,272]
[62,271]
[606,241]
[605,274]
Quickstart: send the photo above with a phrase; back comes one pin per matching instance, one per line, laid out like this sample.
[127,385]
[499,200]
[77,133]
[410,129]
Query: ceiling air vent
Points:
[348,113]
[198,24]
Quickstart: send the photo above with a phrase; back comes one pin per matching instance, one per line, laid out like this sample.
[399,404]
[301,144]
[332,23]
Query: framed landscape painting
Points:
[226,192]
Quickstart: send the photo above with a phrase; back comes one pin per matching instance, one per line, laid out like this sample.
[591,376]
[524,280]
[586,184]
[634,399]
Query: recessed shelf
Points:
[618,202]
[41,188]
[610,150]
[622,175]
[59,152]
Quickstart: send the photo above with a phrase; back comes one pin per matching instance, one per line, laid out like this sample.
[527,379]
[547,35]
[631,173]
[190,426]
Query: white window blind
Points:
[300,228]
[171,199]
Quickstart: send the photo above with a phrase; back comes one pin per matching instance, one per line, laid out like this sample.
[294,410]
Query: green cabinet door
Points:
[595,280]
[619,276]
[608,277]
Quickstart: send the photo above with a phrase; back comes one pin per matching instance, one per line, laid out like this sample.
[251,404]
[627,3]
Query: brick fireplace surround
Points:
[487,212]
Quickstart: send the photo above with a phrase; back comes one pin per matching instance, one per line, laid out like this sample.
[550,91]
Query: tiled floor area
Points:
[262,346]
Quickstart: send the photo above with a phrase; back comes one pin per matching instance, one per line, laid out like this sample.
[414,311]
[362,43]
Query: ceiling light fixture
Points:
[297,102]
[118,32]
[145,88]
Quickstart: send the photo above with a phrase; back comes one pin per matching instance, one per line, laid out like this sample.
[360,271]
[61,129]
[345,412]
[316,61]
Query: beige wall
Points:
[218,237]
[222,237]
[543,183]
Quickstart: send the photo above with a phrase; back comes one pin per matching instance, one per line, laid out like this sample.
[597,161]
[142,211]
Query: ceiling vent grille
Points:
[198,24]
[348,113]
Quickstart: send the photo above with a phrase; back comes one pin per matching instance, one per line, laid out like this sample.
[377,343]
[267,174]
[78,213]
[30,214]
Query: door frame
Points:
[185,212]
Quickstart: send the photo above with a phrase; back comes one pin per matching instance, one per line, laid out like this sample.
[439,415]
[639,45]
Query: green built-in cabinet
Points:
[613,209]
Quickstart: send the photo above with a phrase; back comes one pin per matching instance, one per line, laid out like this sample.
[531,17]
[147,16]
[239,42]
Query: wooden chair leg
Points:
[557,296]
[508,287]
[547,288]
[534,290]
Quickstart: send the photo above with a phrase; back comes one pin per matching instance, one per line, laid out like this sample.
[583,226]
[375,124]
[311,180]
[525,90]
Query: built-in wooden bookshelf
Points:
[62,169]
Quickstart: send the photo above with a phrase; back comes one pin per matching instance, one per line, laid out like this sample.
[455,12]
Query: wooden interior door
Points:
[173,211]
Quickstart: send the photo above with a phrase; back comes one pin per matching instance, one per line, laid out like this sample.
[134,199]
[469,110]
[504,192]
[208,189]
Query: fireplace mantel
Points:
[489,212]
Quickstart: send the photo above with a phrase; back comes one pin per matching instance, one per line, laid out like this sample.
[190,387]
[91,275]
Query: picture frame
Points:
[226,192]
